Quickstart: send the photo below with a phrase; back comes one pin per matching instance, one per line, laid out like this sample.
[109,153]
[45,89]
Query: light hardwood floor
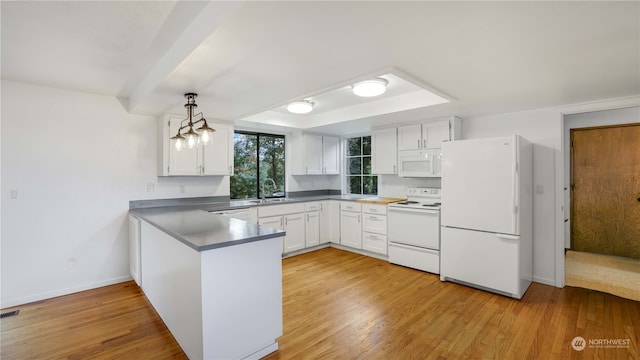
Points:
[340,305]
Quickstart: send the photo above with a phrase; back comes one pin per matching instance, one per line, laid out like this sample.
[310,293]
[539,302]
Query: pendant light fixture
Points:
[370,88]
[192,138]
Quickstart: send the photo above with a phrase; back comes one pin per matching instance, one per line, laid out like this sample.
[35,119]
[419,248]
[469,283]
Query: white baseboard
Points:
[60,292]
[544,281]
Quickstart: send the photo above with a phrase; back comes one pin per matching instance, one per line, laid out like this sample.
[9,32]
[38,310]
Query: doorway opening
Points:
[604,252]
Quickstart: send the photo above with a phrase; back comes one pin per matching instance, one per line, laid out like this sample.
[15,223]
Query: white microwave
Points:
[420,163]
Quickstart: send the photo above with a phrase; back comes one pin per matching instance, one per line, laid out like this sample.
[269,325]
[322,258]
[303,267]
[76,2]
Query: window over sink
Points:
[358,178]
[258,159]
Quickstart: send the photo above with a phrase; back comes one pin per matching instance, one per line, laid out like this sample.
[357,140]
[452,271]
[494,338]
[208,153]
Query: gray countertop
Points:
[201,230]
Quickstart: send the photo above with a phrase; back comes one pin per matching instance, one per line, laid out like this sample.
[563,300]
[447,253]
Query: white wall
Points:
[76,160]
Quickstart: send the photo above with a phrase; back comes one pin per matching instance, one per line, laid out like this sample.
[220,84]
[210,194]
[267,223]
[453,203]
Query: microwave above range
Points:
[420,163]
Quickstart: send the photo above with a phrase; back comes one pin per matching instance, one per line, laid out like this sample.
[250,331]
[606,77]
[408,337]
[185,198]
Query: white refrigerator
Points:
[487,214]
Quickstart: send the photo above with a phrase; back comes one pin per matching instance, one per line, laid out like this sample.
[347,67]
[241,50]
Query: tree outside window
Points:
[358,167]
[257,157]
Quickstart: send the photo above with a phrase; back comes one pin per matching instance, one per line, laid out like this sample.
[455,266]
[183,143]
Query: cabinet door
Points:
[183,162]
[384,152]
[410,137]
[312,229]
[351,229]
[330,222]
[330,155]
[294,226]
[218,156]
[312,145]
[276,222]
[435,133]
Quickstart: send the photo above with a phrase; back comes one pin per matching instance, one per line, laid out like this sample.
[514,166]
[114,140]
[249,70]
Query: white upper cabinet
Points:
[315,154]
[218,156]
[428,135]
[410,137]
[384,154]
[213,159]
[330,155]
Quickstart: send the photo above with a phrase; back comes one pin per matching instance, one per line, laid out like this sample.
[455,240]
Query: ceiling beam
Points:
[212,15]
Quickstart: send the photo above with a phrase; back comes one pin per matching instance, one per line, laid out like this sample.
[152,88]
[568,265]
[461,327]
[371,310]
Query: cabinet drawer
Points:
[374,209]
[375,243]
[375,224]
[312,206]
[350,206]
[274,210]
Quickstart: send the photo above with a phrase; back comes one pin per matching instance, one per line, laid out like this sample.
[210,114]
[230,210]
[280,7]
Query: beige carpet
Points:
[610,274]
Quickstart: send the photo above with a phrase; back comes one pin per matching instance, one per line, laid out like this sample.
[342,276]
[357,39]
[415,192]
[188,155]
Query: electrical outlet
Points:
[539,189]
[72,263]
[150,187]
[14,194]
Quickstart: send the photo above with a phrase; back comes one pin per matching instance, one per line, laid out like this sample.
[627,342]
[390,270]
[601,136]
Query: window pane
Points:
[370,185]
[271,165]
[366,165]
[354,165]
[366,145]
[243,183]
[354,184]
[354,146]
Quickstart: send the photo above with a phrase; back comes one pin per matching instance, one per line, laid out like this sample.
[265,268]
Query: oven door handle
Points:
[421,211]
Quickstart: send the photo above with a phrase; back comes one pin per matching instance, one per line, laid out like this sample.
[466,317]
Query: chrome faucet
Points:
[275,187]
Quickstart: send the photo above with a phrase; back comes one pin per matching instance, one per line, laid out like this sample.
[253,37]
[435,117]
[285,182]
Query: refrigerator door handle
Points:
[508,237]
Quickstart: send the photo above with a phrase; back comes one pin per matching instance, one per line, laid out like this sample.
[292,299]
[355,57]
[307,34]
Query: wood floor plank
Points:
[340,305]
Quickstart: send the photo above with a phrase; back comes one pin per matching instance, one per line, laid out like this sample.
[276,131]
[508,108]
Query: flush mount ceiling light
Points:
[300,107]
[370,88]
[190,137]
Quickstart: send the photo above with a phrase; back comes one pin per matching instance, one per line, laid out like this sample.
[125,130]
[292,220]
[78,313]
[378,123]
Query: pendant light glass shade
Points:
[300,107]
[205,133]
[370,88]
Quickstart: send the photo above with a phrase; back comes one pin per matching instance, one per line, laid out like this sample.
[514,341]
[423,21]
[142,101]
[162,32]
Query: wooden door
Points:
[605,190]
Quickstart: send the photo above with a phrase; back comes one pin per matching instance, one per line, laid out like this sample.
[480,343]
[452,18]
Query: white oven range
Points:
[414,230]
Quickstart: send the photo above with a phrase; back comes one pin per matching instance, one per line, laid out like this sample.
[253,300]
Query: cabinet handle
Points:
[307,217]
[286,221]
[281,222]
[322,207]
[358,218]
[373,210]
[418,143]
[306,169]
[394,169]
[230,170]
[424,143]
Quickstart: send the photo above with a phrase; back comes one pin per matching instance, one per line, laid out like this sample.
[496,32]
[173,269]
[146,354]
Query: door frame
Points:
[596,114]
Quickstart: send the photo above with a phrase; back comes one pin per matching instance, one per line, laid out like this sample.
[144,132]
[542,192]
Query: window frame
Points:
[258,180]
[345,158]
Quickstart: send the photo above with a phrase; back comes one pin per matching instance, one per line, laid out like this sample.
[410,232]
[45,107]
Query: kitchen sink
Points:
[275,200]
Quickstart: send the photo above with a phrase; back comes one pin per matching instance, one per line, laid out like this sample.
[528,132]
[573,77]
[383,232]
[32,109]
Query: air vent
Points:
[9,314]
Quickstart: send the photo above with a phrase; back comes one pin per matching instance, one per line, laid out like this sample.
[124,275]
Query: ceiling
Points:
[249,59]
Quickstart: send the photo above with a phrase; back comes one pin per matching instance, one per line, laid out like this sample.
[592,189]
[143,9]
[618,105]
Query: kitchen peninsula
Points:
[216,282]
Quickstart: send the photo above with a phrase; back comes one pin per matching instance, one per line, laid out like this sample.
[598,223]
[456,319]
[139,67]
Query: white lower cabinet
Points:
[288,217]
[374,243]
[351,224]
[312,228]
[312,223]
[329,221]
[374,228]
